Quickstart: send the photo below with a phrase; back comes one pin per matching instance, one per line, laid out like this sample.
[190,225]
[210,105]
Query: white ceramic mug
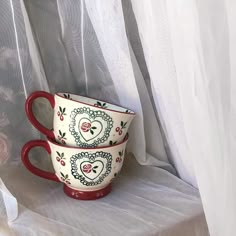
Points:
[87,173]
[82,121]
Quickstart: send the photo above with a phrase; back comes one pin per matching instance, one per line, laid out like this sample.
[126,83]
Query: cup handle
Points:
[30,115]
[25,159]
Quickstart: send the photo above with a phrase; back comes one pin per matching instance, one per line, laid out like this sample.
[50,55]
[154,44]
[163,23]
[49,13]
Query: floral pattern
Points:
[122,126]
[119,158]
[99,104]
[93,168]
[86,126]
[65,178]
[61,113]
[61,137]
[86,135]
[60,158]
[87,168]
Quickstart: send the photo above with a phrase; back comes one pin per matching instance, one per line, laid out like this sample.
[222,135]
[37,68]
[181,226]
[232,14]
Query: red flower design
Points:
[85,126]
[87,168]
[63,141]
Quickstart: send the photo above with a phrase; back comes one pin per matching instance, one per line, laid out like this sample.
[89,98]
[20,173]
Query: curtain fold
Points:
[189,66]
[172,62]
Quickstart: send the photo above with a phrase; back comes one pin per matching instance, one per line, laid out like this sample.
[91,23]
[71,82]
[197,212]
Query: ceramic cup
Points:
[87,173]
[81,121]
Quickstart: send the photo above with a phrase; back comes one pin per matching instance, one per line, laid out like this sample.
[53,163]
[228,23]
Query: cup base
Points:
[87,195]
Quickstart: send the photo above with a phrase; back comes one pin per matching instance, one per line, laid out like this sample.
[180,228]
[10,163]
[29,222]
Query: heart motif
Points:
[91,170]
[89,129]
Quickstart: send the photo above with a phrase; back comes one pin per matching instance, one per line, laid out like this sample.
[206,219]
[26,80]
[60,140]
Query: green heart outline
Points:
[90,157]
[92,115]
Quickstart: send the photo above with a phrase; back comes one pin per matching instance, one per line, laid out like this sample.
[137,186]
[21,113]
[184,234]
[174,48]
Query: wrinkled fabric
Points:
[191,63]
[144,201]
[170,62]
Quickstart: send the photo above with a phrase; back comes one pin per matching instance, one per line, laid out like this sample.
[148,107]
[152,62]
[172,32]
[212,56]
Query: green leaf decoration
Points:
[99,103]
[66,95]
[62,155]
[127,111]
[64,134]
[64,109]
[60,133]
[94,127]
[91,131]
[120,154]
[112,143]
[62,174]
[95,167]
[66,176]
[104,104]
[125,124]
[122,123]
[94,171]
[58,153]
[60,109]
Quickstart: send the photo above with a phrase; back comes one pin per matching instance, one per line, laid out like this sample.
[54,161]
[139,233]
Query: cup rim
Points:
[127,113]
[126,138]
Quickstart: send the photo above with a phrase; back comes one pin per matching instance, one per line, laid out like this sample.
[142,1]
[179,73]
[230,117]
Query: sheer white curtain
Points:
[170,61]
[188,50]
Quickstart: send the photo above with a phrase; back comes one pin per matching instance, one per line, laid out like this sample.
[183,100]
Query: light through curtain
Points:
[190,61]
[168,61]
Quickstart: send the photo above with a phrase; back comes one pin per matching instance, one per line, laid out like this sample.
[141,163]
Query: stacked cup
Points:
[87,143]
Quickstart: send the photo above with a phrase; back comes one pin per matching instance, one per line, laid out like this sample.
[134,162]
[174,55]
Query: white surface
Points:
[144,201]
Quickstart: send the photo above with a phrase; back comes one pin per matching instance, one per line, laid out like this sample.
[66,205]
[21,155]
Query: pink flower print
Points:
[61,137]
[60,158]
[61,113]
[65,178]
[87,168]
[119,159]
[122,126]
[4,148]
[85,126]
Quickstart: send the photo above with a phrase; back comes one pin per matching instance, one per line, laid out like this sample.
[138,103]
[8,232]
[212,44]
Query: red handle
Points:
[25,159]
[30,115]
